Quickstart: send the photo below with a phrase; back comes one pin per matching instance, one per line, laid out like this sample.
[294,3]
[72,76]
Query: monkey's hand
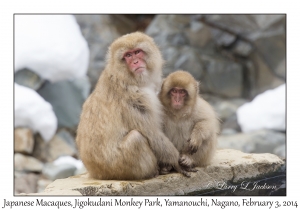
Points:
[187,163]
[193,145]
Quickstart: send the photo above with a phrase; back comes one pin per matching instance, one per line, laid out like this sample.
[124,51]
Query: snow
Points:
[51,46]
[68,160]
[32,111]
[265,111]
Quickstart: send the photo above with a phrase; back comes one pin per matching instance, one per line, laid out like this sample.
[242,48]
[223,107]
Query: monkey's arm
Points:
[201,131]
[147,121]
[162,147]
[165,151]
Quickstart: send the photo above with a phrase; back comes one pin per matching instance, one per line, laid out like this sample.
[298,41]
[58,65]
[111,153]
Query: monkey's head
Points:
[135,57]
[179,90]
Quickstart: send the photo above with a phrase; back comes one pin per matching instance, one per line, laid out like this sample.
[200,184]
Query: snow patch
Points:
[51,46]
[68,160]
[265,111]
[32,111]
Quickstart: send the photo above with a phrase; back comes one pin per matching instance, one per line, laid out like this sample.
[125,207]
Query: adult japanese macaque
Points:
[120,133]
[190,122]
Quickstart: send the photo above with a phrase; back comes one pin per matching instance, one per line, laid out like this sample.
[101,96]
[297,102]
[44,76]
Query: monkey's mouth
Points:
[177,104]
[139,69]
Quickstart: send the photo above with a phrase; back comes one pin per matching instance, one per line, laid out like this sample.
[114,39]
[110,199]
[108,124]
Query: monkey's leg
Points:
[205,153]
[138,158]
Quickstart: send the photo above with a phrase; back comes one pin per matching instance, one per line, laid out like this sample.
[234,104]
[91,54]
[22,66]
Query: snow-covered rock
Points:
[266,111]
[68,160]
[32,111]
[50,45]
[64,161]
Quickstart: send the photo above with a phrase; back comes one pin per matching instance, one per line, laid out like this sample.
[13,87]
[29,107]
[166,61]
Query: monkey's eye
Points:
[174,91]
[182,91]
[179,91]
[137,52]
[128,55]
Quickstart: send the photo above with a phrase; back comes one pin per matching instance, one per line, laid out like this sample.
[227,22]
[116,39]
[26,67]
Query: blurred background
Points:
[240,61]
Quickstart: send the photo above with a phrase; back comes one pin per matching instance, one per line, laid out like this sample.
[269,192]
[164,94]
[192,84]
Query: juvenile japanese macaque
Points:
[120,131]
[190,122]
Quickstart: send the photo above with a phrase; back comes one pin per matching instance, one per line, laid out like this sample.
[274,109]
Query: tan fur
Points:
[195,125]
[119,135]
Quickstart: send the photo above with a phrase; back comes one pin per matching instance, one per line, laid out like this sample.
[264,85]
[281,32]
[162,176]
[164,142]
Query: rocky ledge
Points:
[229,167]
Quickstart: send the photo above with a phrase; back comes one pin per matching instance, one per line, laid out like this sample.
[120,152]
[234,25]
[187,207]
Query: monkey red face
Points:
[178,96]
[135,60]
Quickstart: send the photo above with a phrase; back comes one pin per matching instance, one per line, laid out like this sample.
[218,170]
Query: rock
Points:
[28,78]
[280,151]
[198,34]
[66,98]
[188,60]
[265,111]
[217,75]
[270,70]
[261,77]
[84,85]
[42,184]
[27,163]
[228,166]
[262,141]
[58,193]
[275,42]
[228,131]
[100,31]
[40,150]
[227,108]
[254,37]
[242,48]
[68,138]
[238,24]
[27,183]
[168,30]
[19,173]
[231,125]
[222,77]
[24,141]
[244,25]
[222,38]
[53,172]
[61,144]
[189,44]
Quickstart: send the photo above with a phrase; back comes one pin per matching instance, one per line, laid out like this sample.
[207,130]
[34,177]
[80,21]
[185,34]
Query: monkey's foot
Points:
[191,169]
[165,170]
[156,174]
